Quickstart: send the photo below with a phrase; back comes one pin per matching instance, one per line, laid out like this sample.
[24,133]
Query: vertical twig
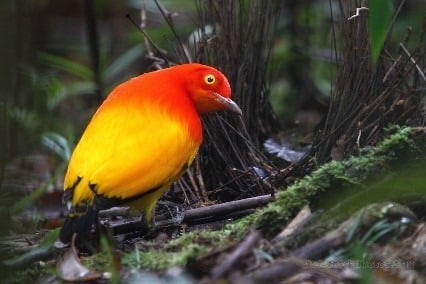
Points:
[202,187]
[148,41]
[168,18]
[142,28]
[92,34]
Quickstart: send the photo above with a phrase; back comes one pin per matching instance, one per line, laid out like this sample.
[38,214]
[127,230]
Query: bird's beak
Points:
[228,104]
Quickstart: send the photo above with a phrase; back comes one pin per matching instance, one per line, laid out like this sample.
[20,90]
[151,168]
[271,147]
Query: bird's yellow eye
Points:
[209,79]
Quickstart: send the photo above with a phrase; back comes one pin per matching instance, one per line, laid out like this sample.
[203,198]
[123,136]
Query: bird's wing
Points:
[128,151]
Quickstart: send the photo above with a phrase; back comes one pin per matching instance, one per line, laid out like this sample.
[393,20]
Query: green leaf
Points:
[80,88]
[43,251]
[380,15]
[24,202]
[123,62]
[58,144]
[28,119]
[54,90]
[68,66]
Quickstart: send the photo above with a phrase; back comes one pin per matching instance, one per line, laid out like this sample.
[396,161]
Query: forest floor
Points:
[357,219]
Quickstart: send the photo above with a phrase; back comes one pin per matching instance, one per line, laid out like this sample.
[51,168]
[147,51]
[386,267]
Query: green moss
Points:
[202,236]
[179,251]
[159,259]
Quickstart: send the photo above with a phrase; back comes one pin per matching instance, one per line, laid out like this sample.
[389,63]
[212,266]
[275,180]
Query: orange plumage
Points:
[139,141]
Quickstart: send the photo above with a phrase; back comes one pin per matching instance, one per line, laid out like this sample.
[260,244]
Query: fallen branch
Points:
[217,212]
[222,209]
[278,270]
[242,250]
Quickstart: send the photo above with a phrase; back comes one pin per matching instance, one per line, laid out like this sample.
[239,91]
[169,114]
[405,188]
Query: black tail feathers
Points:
[79,224]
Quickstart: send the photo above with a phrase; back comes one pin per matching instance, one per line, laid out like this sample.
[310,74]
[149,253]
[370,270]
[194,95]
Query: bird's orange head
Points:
[209,89]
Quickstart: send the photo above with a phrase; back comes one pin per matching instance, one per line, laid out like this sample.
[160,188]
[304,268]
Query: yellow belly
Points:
[122,156]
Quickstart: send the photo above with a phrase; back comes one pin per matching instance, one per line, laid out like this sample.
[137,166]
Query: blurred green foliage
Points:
[52,84]
[84,76]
